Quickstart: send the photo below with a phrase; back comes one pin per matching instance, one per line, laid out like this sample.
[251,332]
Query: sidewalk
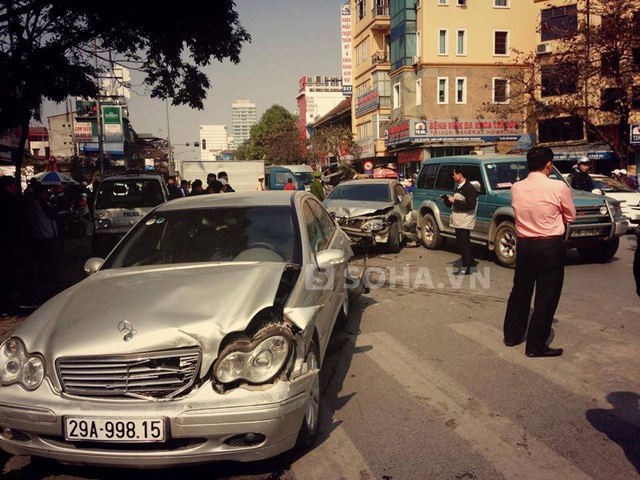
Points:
[73,254]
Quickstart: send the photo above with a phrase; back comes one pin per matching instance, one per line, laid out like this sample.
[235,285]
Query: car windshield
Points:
[502,175]
[610,185]
[223,234]
[129,193]
[305,178]
[366,192]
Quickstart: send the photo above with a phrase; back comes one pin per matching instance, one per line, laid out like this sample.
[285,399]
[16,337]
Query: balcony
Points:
[380,58]
[380,16]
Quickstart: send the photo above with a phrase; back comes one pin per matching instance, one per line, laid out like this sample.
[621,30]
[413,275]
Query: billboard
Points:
[112,122]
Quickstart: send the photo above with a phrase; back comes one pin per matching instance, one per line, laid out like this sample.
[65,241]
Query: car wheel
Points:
[600,253]
[505,244]
[431,237]
[393,245]
[311,421]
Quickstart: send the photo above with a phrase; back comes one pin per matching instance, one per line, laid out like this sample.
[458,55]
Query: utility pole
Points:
[169,154]
[99,108]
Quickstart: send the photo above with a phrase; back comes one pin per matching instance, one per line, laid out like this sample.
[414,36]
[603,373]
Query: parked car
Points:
[595,232]
[200,338]
[372,212]
[629,198]
[121,201]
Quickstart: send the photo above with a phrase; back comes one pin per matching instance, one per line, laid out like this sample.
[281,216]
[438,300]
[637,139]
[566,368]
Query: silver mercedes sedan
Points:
[200,338]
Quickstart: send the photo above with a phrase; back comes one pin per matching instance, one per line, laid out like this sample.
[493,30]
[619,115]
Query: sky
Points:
[289,39]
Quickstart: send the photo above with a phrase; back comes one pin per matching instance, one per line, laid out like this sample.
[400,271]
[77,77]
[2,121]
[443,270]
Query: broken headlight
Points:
[375,225]
[18,366]
[256,361]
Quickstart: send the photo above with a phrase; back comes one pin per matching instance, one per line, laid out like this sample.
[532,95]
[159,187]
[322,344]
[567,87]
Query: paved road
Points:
[418,385]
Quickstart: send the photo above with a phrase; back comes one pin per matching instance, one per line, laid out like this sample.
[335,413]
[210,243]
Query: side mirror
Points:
[399,199]
[331,257]
[92,265]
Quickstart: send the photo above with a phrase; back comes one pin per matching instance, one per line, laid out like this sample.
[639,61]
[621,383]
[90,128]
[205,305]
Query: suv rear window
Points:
[502,175]
[129,193]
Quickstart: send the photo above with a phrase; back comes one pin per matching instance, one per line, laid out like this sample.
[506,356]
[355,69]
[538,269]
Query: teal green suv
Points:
[595,232]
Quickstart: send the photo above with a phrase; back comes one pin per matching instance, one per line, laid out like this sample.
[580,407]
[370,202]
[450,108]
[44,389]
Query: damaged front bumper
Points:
[366,230]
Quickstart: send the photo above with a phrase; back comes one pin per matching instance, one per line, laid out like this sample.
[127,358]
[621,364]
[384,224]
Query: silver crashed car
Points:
[200,338]
[377,211]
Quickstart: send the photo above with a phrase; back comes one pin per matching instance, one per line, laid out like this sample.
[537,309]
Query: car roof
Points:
[368,181]
[123,176]
[235,199]
[485,158]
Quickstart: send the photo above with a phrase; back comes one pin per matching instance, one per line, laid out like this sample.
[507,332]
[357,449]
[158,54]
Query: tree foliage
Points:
[592,74]
[275,138]
[48,50]
[334,141]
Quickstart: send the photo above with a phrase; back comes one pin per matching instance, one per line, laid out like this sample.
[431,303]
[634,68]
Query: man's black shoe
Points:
[463,271]
[512,344]
[547,352]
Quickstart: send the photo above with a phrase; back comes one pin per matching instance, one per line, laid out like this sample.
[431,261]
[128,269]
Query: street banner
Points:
[345,32]
[82,132]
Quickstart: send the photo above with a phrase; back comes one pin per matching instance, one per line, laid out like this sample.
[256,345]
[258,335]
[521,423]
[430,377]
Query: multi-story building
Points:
[214,139]
[425,71]
[61,142]
[317,95]
[243,116]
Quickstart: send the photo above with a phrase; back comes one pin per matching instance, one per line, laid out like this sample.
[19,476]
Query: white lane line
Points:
[337,458]
[510,449]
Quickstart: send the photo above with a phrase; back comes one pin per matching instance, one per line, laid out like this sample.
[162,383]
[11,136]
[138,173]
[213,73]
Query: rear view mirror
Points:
[92,265]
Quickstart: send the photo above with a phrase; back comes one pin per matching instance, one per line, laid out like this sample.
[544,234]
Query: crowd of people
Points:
[32,233]
[215,184]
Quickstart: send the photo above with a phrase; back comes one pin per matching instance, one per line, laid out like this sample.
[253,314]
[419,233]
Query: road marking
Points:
[509,448]
[336,458]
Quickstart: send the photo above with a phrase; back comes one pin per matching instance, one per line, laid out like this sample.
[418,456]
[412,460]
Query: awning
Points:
[571,153]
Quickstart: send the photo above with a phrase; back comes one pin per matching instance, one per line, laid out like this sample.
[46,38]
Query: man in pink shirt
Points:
[542,207]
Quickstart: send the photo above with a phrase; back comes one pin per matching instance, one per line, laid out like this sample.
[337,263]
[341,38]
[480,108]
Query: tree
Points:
[51,50]
[275,138]
[589,81]
[334,141]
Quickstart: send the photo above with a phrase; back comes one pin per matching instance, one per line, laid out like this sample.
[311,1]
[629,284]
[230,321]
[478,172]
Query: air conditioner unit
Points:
[543,48]
[415,60]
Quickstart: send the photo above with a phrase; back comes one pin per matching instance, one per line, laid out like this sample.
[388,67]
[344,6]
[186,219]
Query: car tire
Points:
[600,253]
[311,420]
[430,233]
[505,243]
[393,244]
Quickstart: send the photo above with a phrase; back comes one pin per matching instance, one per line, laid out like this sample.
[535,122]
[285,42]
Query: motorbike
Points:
[75,221]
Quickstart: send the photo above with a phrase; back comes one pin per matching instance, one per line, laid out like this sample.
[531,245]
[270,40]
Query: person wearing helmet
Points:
[580,179]
[628,181]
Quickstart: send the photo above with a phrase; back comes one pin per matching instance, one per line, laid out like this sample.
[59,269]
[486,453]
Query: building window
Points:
[609,63]
[361,6]
[419,91]
[558,79]
[396,95]
[635,58]
[443,2]
[560,129]
[612,99]
[635,97]
[443,90]
[559,22]
[443,41]
[501,3]
[500,43]
[461,90]
[461,42]
[500,90]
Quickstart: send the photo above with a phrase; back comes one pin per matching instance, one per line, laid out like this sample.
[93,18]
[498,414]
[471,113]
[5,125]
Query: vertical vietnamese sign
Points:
[112,121]
[345,32]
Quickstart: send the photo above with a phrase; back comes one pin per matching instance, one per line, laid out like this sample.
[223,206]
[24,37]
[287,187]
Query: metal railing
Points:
[379,57]
[380,10]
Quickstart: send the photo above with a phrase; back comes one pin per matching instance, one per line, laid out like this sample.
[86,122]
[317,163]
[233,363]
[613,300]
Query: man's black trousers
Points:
[463,238]
[539,264]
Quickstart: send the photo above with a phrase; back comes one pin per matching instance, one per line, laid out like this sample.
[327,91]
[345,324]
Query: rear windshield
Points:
[367,192]
[129,193]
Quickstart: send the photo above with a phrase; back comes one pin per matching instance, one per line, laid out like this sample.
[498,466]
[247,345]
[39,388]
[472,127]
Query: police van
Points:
[121,201]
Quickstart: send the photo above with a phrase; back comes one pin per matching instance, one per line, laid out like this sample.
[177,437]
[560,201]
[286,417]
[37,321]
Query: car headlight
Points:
[102,223]
[257,361]
[18,366]
[375,224]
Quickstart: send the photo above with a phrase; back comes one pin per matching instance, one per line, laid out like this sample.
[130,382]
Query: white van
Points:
[121,201]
